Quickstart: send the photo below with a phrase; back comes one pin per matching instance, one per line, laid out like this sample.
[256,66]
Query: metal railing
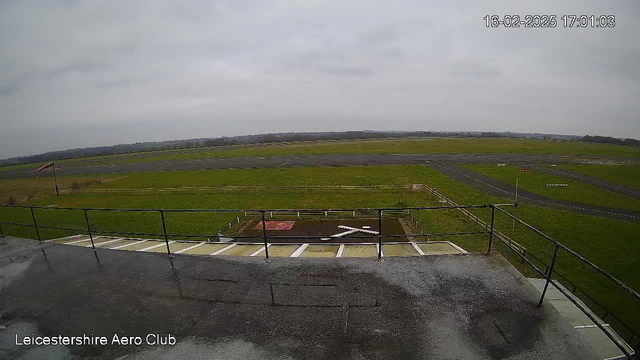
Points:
[153,191]
[262,213]
[377,213]
[550,270]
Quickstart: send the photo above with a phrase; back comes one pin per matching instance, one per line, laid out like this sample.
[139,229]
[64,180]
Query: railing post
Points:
[264,237]
[379,234]
[546,284]
[164,230]
[1,232]
[86,218]
[35,224]
[493,215]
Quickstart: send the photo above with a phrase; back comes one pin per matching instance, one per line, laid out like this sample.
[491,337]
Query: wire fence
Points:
[284,188]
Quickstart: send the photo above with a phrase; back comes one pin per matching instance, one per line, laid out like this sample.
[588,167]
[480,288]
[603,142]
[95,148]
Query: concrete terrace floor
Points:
[423,307]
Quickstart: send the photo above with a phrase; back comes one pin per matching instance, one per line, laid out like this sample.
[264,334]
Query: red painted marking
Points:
[275,225]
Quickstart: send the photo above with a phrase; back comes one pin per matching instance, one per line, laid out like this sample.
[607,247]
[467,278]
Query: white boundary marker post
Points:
[189,248]
[155,246]
[340,250]
[223,249]
[299,250]
[125,245]
[259,250]
[415,246]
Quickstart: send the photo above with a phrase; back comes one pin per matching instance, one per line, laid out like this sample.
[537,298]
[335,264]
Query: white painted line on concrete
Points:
[259,250]
[588,326]
[190,248]
[125,245]
[109,242]
[340,250]
[344,233]
[155,246]
[619,357]
[223,249]
[299,250]
[457,247]
[75,242]
[415,246]
[356,229]
[64,238]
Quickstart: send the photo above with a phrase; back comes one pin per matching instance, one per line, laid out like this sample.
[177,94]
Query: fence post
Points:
[35,224]
[379,234]
[546,284]
[164,230]
[1,232]
[264,237]
[86,218]
[493,214]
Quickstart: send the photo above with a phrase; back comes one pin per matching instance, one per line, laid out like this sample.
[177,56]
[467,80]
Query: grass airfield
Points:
[611,244]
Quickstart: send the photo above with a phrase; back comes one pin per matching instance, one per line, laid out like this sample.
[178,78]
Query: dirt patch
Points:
[326,231]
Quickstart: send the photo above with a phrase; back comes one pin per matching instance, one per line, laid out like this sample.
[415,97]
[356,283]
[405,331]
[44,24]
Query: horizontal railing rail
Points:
[409,187]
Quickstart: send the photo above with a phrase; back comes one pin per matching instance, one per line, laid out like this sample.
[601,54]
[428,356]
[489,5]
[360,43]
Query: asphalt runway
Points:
[442,162]
[494,187]
[287,161]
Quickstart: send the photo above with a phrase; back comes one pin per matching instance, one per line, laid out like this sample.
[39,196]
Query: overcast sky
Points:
[91,73]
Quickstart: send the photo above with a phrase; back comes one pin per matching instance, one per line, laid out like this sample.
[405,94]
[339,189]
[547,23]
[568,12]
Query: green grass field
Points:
[535,182]
[385,146]
[609,243]
[441,146]
[622,174]
[20,190]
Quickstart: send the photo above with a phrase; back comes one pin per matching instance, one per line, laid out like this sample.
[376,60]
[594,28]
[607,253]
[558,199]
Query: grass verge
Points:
[622,174]
[536,181]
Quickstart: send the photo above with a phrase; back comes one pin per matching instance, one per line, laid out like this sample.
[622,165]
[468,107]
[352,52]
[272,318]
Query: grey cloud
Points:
[378,36]
[477,70]
[76,74]
[349,71]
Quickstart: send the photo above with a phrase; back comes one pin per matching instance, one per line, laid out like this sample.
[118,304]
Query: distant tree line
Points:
[289,137]
[611,140]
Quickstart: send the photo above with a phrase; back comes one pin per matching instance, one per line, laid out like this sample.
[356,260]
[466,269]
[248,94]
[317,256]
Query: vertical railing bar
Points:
[164,230]
[264,237]
[550,272]
[493,214]
[86,218]
[35,224]
[379,234]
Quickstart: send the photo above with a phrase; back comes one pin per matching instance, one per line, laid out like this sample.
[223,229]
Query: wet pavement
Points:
[419,307]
